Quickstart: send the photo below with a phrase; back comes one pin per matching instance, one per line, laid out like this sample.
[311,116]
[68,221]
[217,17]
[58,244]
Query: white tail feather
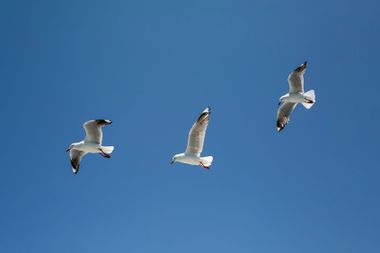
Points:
[207,160]
[310,95]
[107,149]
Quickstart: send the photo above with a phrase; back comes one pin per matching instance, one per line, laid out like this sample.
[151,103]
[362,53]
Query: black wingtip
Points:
[204,114]
[74,167]
[280,127]
[301,67]
[103,121]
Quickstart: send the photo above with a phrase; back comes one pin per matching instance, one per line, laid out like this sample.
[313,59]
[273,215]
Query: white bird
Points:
[91,144]
[296,95]
[195,142]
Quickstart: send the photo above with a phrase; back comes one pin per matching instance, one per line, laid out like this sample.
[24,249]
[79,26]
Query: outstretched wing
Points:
[283,114]
[295,79]
[197,133]
[75,158]
[94,131]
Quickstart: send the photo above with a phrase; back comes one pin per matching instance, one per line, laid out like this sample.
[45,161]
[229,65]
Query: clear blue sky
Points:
[152,67]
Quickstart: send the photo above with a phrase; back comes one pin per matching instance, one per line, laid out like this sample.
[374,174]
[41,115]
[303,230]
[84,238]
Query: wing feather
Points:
[94,131]
[283,114]
[296,79]
[75,158]
[197,133]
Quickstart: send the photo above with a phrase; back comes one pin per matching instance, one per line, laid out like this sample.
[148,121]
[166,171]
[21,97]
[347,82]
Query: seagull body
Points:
[91,144]
[296,95]
[193,159]
[87,147]
[296,98]
[196,137]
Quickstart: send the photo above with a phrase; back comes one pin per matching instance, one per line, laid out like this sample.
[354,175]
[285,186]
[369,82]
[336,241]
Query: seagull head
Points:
[282,99]
[174,159]
[71,146]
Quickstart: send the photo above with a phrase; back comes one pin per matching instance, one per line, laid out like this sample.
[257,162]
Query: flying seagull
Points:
[91,144]
[296,95]
[195,142]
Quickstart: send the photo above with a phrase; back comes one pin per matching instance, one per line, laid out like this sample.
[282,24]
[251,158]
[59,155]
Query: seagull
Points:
[91,144]
[296,95]
[195,142]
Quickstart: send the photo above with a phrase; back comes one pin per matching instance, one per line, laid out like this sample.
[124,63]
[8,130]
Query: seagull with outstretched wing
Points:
[296,95]
[195,142]
[91,144]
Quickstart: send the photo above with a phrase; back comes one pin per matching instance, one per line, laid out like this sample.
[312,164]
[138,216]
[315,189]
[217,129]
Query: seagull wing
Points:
[94,131]
[283,114]
[76,157]
[295,79]
[197,133]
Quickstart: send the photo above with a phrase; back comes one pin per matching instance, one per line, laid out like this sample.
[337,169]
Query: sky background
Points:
[152,67]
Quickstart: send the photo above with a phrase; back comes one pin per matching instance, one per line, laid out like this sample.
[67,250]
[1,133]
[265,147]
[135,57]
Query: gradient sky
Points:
[152,67]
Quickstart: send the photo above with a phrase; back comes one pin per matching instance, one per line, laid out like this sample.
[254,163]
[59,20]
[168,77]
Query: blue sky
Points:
[152,67]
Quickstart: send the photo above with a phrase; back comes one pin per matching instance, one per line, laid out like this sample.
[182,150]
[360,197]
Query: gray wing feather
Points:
[283,114]
[197,133]
[75,158]
[94,131]
[296,79]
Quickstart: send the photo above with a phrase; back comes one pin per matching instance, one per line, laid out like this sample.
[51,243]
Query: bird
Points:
[195,142]
[296,95]
[91,144]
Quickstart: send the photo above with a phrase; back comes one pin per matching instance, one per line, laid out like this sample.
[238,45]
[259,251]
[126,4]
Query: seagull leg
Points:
[205,167]
[104,154]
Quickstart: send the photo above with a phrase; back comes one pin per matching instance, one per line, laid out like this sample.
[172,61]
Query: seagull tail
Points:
[107,149]
[207,160]
[310,95]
